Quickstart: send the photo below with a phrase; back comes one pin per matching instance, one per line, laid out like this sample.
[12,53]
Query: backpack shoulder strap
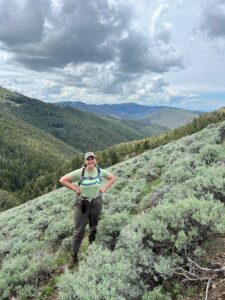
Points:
[82,175]
[99,170]
[83,170]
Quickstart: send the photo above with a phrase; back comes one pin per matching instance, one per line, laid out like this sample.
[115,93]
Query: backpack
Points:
[83,177]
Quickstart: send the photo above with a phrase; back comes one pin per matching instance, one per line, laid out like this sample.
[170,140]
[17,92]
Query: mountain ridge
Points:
[171,117]
[130,106]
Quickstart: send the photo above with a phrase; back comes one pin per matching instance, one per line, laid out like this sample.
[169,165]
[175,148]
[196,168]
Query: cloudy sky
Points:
[154,52]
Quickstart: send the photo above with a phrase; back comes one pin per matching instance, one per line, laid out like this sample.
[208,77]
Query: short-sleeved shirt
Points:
[91,182]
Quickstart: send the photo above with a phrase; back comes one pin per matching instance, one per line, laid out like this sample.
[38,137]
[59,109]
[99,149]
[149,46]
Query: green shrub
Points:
[109,228]
[66,244]
[210,154]
[25,292]
[221,132]
[58,231]
[24,271]
[212,184]
[125,201]
[196,147]
[152,175]
[101,276]
[156,294]
[182,223]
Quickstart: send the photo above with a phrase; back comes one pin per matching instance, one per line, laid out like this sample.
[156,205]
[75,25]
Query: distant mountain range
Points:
[164,116]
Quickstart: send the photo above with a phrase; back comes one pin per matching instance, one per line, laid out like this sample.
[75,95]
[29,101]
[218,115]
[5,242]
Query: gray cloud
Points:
[43,36]
[148,55]
[213,19]
[21,22]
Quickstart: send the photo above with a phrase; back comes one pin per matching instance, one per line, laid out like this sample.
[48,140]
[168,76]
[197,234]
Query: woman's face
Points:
[91,161]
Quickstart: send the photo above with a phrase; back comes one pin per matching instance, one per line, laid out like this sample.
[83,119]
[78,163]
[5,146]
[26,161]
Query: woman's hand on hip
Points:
[77,190]
[102,190]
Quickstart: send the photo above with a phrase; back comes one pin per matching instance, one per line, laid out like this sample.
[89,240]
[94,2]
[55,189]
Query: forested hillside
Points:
[165,204]
[81,130]
[27,153]
[146,129]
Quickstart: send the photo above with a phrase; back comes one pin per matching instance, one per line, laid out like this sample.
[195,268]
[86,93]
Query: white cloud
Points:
[155,19]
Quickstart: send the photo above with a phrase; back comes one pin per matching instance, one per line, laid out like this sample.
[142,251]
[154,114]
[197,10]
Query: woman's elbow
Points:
[62,180]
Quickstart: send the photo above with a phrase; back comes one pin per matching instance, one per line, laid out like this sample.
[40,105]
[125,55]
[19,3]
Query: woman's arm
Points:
[65,181]
[111,178]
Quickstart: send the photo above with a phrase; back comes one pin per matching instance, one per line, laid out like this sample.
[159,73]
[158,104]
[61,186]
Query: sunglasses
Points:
[91,158]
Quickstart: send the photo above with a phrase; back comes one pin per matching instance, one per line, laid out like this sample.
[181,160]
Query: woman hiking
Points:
[88,203]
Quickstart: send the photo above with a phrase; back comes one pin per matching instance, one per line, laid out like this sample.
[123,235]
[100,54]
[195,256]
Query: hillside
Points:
[145,129]
[170,117]
[81,130]
[165,204]
[123,151]
[142,129]
[27,153]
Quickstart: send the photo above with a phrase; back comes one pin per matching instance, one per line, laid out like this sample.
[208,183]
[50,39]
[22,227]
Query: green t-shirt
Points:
[91,184]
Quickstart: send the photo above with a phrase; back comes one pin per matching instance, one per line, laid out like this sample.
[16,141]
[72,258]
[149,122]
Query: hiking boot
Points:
[73,262]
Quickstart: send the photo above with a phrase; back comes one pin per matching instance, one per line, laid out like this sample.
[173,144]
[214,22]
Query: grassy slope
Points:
[35,237]
[170,117]
[79,129]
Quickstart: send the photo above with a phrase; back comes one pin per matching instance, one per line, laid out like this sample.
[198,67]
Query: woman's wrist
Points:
[75,188]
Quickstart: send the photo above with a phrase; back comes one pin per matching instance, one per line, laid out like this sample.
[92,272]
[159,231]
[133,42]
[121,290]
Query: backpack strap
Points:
[99,172]
[83,170]
[82,176]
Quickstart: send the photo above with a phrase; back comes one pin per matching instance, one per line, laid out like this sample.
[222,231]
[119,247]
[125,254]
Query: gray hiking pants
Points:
[92,213]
